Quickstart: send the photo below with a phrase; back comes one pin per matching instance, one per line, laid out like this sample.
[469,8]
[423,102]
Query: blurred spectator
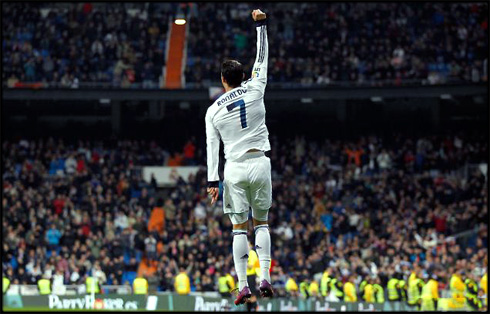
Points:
[150,249]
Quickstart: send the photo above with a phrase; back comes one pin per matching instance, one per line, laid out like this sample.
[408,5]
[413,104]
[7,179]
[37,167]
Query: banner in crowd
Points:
[192,303]
[167,176]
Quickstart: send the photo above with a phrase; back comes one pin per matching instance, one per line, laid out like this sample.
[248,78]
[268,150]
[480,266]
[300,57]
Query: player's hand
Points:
[258,15]
[213,192]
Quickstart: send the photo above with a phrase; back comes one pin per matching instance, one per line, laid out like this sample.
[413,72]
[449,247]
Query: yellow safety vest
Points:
[471,293]
[369,293]
[392,289]
[484,287]
[44,286]
[483,283]
[303,288]
[471,288]
[182,284]
[427,299]
[324,284]
[252,260]
[333,285]
[361,288]
[140,286]
[380,293]
[231,281]
[5,284]
[457,288]
[414,291]
[313,288]
[350,292]
[223,284]
[92,285]
[403,289]
[291,285]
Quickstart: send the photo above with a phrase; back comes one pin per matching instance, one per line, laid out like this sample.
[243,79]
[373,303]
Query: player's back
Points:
[239,117]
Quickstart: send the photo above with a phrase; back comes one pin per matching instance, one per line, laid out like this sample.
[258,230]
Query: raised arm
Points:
[259,70]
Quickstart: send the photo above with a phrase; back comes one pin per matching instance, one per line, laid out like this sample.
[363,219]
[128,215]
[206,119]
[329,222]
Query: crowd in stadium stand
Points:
[325,43]
[310,43]
[85,43]
[368,208]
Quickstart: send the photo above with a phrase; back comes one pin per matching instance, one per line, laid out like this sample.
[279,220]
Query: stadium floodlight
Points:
[180,21]
[180,18]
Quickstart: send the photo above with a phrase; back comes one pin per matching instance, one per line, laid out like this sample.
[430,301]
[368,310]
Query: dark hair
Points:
[232,72]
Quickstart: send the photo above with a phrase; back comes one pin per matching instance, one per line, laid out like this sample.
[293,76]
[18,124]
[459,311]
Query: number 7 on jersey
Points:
[243,114]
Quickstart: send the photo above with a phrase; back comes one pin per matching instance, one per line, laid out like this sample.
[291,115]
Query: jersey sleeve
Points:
[212,148]
[259,71]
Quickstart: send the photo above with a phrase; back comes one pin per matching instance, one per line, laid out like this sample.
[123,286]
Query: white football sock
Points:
[240,256]
[263,248]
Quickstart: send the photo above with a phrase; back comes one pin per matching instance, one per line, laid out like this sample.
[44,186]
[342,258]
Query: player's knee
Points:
[260,217]
[239,220]
[242,226]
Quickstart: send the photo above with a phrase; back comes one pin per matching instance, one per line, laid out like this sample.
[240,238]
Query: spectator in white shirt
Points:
[384,160]
[70,164]
[121,221]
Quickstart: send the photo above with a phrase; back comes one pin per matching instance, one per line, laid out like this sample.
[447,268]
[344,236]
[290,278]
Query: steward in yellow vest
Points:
[362,286]
[313,289]
[92,285]
[402,290]
[350,291]
[471,294]
[303,289]
[223,286]
[369,293]
[336,287]
[253,259]
[430,296]
[182,283]
[291,286]
[379,292]
[414,291]
[483,283]
[44,286]
[231,281]
[140,285]
[5,284]
[325,283]
[393,289]
[457,287]
[484,287]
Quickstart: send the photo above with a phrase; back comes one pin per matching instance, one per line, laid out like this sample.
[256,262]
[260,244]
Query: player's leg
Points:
[261,201]
[235,204]
[240,247]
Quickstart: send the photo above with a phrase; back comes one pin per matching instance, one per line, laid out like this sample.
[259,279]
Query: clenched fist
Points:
[258,15]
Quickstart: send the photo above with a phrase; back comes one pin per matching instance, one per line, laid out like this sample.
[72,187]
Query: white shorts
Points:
[247,183]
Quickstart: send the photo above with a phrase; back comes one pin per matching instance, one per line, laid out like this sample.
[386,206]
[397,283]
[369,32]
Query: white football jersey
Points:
[238,116]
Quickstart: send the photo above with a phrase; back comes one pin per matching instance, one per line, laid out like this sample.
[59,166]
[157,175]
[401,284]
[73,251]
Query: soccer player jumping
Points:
[238,118]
